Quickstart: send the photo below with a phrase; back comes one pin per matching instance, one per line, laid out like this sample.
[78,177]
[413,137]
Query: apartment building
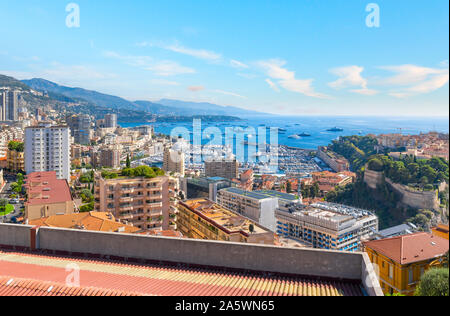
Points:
[227,169]
[47,196]
[204,219]
[173,161]
[80,127]
[402,260]
[108,156]
[259,206]
[15,160]
[143,202]
[326,225]
[47,148]
[336,162]
[7,134]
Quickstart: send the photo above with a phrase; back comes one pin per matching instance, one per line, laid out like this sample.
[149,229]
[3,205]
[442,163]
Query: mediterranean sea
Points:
[317,127]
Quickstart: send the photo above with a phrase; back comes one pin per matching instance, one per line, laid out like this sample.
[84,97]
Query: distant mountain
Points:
[204,108]
[162,107]
[99,99]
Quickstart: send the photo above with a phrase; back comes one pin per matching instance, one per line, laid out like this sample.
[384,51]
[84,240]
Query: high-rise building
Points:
[173,161]
[9,106]
[47,148]
[227,169]
[80,126]
[110,120]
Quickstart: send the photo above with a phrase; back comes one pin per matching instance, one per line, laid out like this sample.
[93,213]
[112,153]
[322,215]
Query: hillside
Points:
[163,107]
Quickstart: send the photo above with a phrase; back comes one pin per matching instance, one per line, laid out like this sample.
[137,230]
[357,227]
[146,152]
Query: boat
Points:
[305,135]
[295,136]
[335,129]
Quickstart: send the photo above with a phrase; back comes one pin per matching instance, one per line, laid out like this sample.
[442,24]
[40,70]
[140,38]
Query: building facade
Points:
[146,203]
[204,219]
[206,188]
[259,206]
[326,225]
[173,161]
[110,120]
[401,261]
[15,160]
[9,105]
[332,159]
[227,169]
[47,148]
[80,127]
[47,196]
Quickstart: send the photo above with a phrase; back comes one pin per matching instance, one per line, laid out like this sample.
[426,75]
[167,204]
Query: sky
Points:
[287,57]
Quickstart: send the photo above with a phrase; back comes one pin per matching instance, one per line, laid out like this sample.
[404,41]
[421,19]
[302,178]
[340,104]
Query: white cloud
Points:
[177,48]
[168,68]
[286,79]
[272,85]
[231,94]
[238,64]
[164,68]
[350,76]
[413,80]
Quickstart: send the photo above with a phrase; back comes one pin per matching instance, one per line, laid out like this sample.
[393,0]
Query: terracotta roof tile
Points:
[410,248]
[35,274]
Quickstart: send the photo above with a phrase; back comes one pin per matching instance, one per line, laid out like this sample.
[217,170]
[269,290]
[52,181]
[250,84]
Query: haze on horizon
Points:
[287,58]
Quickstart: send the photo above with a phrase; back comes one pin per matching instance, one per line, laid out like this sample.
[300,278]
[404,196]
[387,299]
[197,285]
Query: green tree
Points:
[128,163]
[434,283]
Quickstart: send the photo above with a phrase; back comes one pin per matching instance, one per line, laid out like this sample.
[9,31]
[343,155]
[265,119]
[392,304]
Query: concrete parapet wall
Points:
[15,236]
[208,253]
[240,256]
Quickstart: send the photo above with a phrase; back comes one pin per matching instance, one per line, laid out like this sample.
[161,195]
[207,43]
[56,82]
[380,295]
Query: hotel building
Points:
[204,219]
[326,225]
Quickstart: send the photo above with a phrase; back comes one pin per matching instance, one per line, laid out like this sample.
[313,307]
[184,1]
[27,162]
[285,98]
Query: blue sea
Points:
[317,127]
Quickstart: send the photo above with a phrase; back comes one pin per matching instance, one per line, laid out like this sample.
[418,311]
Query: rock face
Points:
[409,197]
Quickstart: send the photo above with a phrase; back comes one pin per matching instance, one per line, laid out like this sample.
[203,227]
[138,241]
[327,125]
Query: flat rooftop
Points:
[253,195]
[222,217]
[36,274]
[280,195]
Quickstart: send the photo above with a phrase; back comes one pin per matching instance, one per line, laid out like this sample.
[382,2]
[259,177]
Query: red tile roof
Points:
[410,248]
[45,188]
[24,287]
[34,274]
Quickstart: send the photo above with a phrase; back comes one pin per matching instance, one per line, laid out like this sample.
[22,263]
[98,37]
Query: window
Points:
[411,275]
[391,271]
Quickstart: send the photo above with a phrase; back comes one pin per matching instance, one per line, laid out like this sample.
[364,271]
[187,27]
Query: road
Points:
[4,194]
